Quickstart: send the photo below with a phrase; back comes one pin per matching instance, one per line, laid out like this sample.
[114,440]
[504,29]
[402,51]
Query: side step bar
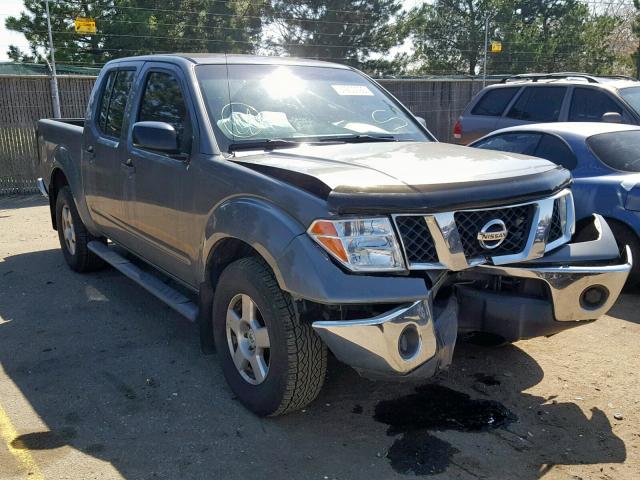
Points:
[152,284]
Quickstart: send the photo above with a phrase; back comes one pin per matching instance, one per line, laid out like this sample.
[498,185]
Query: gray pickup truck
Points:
[295,207]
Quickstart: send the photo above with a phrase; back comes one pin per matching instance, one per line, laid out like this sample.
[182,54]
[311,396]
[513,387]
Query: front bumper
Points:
[414,341]
[407,342]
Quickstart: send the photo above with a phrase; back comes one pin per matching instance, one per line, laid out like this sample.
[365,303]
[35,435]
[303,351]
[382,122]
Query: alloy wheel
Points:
[248,339]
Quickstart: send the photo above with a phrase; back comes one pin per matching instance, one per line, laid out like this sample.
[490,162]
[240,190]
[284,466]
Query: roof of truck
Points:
[218,58]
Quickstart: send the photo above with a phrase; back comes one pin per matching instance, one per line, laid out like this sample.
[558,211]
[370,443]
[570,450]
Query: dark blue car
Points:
[604,159]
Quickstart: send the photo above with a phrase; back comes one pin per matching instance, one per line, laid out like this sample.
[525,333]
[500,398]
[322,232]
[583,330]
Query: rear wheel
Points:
[274,363]
[74,236]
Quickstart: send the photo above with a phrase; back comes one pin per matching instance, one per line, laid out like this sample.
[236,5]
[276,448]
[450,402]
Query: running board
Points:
[150,283]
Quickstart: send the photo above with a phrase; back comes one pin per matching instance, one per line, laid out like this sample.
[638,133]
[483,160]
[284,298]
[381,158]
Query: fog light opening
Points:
[409,342]
[594,297]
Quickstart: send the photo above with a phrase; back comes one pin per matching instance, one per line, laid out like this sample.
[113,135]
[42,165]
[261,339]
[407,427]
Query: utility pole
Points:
[486,48]
[54,77]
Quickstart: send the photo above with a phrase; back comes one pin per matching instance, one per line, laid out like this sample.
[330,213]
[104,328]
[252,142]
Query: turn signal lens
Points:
[363,244]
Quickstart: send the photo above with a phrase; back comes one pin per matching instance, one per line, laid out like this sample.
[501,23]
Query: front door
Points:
[157,189]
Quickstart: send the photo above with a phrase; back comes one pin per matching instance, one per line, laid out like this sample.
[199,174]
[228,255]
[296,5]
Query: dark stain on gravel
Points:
[488,380]
[434,408]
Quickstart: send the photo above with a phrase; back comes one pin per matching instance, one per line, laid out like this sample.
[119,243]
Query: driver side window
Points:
[162,101]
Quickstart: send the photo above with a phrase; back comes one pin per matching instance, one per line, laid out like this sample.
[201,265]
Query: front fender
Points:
[300,266]
[255,221]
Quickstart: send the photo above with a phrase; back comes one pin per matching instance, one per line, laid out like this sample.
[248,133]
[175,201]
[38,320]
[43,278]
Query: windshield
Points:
[632,97]
[619,150]
[276,102]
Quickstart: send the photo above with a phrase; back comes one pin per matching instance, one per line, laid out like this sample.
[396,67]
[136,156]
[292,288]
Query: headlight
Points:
[361,244]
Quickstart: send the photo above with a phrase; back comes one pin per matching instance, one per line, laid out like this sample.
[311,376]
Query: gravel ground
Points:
[100,380]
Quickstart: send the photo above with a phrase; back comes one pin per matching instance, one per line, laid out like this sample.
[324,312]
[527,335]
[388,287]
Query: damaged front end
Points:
[573,284]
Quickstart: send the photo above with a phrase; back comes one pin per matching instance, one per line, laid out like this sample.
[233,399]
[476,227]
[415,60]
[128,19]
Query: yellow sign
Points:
[496,46]
[85,25]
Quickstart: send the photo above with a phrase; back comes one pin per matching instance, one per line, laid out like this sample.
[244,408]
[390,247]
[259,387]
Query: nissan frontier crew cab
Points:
[295,207]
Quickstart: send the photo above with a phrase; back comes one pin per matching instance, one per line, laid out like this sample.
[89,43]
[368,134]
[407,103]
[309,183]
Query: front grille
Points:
[555,229]
[418,244]
[518,223]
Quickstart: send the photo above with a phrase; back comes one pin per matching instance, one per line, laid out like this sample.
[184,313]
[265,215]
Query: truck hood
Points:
[409,176]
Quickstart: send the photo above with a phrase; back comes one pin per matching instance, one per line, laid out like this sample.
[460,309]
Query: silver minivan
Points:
[555,97]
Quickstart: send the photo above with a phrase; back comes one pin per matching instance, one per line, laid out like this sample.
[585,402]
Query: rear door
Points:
[103,147]
[158,188]
[535,104]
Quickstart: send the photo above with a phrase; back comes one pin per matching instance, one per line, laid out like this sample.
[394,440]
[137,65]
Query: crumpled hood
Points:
[411,175]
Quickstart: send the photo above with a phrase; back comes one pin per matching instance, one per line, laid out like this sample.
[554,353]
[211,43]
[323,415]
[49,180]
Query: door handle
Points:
[90,153]
[127,166]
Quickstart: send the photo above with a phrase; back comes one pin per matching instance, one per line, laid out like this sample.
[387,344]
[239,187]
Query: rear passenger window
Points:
[163,102]
[538,104]
[524,143]
[104,100]
[119,96]
[556,151]
[588,105]
[494,102]
[114,101]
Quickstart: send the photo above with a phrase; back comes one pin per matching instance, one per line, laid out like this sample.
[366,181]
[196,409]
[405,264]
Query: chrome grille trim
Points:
[446,236]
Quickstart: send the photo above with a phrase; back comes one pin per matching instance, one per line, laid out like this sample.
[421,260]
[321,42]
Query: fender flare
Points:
[255,221]
[62,161]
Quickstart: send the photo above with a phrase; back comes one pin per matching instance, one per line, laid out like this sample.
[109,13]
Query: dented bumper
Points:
[582,281]
[408,342]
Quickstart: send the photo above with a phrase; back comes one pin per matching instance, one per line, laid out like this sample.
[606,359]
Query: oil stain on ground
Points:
[434,408]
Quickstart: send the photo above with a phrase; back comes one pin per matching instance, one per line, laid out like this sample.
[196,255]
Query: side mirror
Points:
[157,136]
[611,117]
[422,121]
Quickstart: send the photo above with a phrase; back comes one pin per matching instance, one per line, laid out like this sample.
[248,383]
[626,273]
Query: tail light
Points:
[457,130]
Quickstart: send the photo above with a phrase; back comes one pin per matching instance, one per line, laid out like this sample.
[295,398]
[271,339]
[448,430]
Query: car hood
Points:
[409,175]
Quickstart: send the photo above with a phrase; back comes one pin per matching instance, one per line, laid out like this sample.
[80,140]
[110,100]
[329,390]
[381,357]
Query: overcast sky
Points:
[14,7]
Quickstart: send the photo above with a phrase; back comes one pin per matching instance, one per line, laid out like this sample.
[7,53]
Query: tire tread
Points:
[307,354]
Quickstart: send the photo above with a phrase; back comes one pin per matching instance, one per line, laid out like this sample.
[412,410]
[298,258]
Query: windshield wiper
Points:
[267,144]
[361,139]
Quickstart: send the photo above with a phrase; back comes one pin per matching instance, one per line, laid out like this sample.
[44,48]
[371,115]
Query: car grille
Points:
[555,229]
[417,241]
[518,223]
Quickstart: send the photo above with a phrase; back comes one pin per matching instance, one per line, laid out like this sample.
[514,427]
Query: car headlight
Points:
[360,244]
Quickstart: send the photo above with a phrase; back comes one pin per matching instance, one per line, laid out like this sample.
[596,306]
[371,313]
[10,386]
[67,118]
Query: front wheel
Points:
[273,362]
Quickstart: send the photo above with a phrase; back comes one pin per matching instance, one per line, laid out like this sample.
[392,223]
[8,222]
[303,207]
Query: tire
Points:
[75,251]
[296,359]
[624,236]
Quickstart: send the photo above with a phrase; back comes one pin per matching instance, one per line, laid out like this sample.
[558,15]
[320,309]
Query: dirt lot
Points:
[99,380]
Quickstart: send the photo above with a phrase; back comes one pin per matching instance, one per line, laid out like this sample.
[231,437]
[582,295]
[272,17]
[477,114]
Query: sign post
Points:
[54,77]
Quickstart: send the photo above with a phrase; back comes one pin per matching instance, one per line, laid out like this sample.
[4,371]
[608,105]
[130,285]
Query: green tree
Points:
[133,27]
[540,35]
[354,32]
